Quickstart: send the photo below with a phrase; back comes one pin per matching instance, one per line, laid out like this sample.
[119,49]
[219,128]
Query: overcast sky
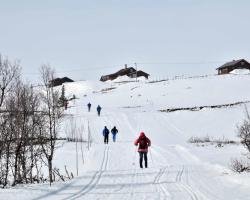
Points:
[83,39]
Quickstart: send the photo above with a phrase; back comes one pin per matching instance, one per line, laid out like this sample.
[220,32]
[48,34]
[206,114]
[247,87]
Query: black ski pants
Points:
[143,155]
[106,139]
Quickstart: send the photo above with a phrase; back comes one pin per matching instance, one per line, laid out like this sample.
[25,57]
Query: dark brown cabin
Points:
[59,81]
[128,71]
[235,64]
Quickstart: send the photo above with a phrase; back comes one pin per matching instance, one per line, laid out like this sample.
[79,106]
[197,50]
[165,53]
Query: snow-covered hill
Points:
[177,169]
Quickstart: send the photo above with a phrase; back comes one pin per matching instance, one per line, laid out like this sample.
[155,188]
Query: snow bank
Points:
[240,71]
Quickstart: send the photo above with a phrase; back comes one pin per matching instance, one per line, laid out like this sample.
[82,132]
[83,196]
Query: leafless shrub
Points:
[239,166]
[244,135]
[244,132]
[207,139]
[194,139]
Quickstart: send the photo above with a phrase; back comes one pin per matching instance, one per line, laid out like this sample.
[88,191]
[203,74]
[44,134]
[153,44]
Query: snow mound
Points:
[240,71]
[128,79]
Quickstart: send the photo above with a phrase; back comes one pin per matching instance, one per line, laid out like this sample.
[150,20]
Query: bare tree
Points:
[244,131]
[50,126]
[244,135]
[9,76]
[9,72]
[19,135]
[29,125]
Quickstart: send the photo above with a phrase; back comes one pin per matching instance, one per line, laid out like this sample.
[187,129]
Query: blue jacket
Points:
[105,132]
[98,108]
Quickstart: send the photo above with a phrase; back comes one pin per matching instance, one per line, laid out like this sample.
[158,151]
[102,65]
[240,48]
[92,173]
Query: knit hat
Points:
[142,134]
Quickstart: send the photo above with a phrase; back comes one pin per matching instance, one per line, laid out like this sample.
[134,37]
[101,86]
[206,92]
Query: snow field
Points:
[177,169]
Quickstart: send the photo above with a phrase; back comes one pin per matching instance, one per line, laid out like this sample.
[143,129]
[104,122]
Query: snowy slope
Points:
[177,169]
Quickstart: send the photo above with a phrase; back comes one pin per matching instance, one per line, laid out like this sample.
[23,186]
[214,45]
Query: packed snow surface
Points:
[177,169]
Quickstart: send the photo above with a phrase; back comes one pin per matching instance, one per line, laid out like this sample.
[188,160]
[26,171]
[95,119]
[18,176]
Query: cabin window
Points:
[242,63]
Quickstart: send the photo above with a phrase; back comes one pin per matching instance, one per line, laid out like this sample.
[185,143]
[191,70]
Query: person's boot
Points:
[141,166]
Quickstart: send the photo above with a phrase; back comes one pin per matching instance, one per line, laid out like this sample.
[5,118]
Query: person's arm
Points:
[149,142]
[136,142]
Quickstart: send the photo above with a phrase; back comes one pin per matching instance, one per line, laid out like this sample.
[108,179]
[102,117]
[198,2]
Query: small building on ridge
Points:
[59,81]
[127,71]
[235,64]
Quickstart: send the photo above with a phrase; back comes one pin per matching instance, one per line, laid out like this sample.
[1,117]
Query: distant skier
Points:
[66,103]
[89,106]
[99,108]
[144,143]
[114,131]
[105,133]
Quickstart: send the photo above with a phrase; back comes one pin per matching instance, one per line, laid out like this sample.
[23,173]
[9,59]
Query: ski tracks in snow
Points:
[94,180]
[160,186]
[185,186]
[173,179]
[164,183]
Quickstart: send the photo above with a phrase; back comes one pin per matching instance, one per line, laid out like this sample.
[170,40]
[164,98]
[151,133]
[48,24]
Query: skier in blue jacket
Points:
[114,131]
[105,133]
[99,110]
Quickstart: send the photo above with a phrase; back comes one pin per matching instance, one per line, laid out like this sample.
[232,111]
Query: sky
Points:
[84,39]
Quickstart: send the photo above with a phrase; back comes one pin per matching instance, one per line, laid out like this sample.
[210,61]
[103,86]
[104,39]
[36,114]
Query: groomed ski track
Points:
[174,173]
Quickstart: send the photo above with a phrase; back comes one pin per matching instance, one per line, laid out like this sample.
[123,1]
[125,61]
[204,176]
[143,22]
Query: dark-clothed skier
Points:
[89,106]
[98,110]
[144,143]
[105,133]
[114,131]
[66,103]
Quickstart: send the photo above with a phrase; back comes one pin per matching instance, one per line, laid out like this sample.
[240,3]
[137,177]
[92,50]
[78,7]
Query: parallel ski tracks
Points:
[184,186]
[134,180]
[160,186]
[94,180]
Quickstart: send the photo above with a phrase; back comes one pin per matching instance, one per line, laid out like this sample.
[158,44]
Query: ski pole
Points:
[133,163]
[151,156]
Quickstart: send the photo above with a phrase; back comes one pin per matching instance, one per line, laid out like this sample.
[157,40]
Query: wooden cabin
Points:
[59,81]
[235,64]
[127,71]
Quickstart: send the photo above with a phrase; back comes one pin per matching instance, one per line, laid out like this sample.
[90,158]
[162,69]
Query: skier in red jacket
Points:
[144,143]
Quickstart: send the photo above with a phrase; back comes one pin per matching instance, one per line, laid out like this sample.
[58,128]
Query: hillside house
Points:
[127,71]
[235,64]
[59,81]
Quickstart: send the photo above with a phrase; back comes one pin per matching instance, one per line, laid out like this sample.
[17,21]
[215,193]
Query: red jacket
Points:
[137,141]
